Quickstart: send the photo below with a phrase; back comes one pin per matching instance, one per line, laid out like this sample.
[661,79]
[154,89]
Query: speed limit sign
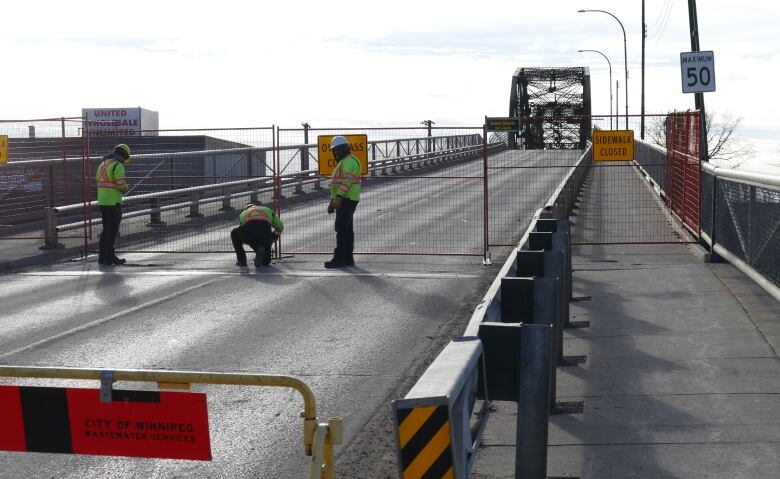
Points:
[698,71]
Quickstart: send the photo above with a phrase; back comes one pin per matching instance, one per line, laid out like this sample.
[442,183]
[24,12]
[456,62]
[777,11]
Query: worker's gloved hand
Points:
[275,236]
[331,209]
[336,202]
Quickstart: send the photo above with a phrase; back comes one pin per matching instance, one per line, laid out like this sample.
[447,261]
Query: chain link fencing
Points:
[421,195]
[46,167]
[741,213]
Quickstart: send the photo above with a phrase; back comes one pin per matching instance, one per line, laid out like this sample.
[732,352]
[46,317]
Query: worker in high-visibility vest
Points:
[111,187]
[344,197]
[258,227]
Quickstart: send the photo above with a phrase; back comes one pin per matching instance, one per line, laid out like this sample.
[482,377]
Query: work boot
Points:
[335,263]
[117,261]
[241,263]
[350,261]
[259,255]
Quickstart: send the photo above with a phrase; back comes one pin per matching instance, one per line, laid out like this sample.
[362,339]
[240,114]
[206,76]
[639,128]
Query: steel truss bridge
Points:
[561,95]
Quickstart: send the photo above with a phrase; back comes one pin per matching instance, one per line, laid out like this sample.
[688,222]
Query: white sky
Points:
[235,63]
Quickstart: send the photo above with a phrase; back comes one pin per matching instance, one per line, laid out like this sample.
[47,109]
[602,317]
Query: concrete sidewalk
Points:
[681,379]
[17,254]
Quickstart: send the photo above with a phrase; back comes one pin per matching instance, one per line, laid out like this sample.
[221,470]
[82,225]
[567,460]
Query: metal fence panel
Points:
[683,143]
[45,167]
[181,162]
[748,224]
[423,194]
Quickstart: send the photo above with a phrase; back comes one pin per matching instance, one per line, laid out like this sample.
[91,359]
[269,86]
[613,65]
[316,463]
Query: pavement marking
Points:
[307,274]
[98,322]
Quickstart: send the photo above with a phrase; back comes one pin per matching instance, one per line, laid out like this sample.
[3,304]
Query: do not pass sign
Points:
[357,143]
[3,149]
[613,145]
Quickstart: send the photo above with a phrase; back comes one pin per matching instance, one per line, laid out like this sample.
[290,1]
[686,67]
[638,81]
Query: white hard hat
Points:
[338,141]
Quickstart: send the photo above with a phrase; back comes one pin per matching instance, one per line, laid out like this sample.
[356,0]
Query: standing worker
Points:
[344,197]
[111,187]
[255,229]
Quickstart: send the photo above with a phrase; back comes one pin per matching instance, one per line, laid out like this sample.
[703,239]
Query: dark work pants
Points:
[111,216]
[345,234]
[255,234]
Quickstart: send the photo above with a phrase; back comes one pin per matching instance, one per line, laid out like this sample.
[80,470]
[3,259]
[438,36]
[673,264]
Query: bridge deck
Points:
[682,377]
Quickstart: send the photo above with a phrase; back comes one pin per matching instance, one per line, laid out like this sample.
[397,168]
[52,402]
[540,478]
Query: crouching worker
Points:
[258,227]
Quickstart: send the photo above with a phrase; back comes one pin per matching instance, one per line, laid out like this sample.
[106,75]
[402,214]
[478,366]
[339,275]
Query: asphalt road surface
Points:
[358,337]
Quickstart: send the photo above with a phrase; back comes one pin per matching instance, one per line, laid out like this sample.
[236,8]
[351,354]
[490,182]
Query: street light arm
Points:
[613,16]
[625,53]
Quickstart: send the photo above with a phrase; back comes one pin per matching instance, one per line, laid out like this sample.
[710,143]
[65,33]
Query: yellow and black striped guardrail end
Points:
[424,440]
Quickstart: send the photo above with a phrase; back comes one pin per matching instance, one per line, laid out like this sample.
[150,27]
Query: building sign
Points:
[613,145]
[698,71]
[120,121]
[502,124]
[21,179]
[168,425]
[3,149]
[357,143]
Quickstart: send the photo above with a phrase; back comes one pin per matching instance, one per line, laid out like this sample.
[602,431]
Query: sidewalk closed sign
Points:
[158,424]
[3,149]
[613,145]
[357,143]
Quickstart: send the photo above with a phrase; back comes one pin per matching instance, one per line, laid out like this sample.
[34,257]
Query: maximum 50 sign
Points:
[698,71]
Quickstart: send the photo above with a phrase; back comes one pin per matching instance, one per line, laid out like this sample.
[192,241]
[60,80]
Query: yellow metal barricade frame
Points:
[318,437]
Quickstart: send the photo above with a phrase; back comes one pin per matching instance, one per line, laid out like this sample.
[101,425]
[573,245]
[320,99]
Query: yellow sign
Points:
[3,149]
[357,143]
[613,145]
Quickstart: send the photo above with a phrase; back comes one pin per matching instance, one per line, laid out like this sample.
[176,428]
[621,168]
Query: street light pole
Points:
[429,124]
[610,82]
[625,53]
[644,35]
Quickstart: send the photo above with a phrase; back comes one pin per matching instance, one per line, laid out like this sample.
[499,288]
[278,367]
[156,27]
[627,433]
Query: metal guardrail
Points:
[318,438]
[741,222]
[254,187]
[434,431]
[520,359]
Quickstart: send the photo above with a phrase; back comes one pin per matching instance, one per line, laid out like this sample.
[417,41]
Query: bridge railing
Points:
[741,221]
[454,393]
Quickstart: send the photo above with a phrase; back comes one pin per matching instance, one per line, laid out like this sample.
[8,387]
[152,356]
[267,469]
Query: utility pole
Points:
[305,151]
[644,35]
[698,97]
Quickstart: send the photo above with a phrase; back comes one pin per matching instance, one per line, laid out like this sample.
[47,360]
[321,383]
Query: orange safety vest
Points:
[255,214]
[103,180]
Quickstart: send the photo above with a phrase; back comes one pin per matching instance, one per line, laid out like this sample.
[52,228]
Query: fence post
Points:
[195,205]
[299,187]
[533,401]
[50,230]
[155,218]
[50,185]
[253,196]
[226,206]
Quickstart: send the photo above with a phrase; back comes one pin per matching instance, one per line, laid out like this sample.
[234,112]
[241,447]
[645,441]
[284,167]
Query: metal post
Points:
[226,206]
[485,205]
[610,82]
[533,401]
[714,215]
[195,205]
[644,35]
[155,216]
[50,230]
[625,53]
[305,149]
[693,21]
